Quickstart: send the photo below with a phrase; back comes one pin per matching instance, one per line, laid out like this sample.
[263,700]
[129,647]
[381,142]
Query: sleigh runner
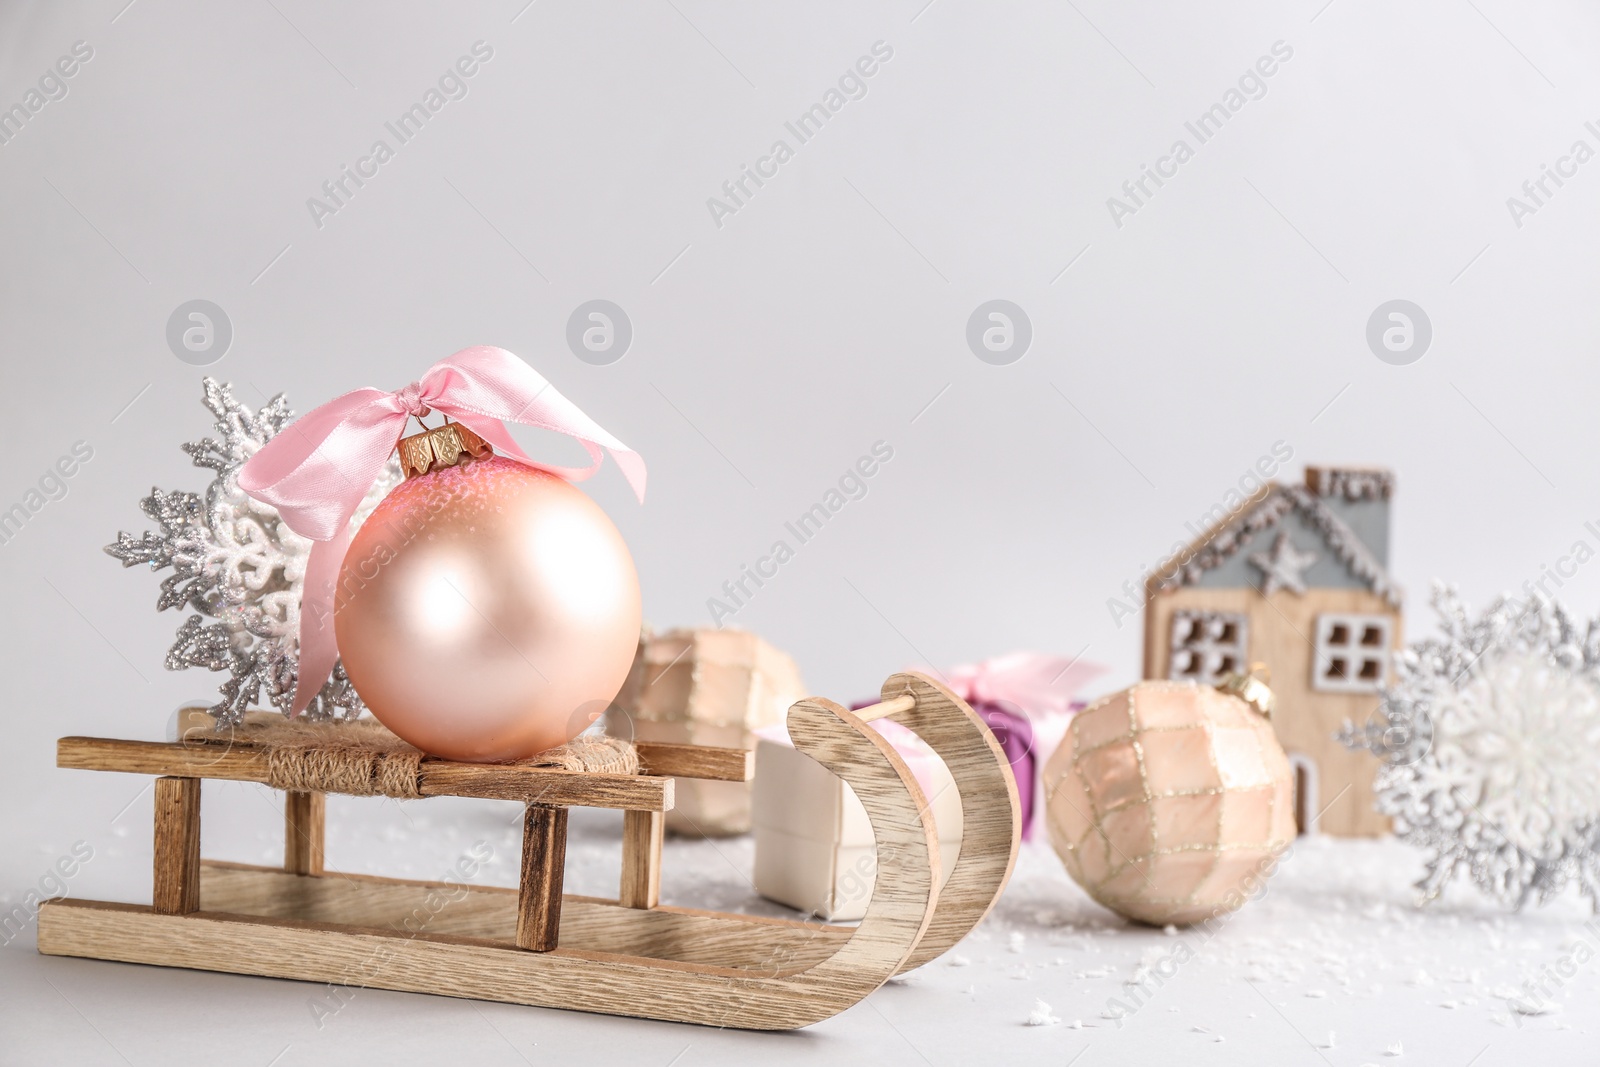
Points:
[533,944]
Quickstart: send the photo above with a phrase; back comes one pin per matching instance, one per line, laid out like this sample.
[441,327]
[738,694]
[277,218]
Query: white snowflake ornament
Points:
[1490,738]
[233,560]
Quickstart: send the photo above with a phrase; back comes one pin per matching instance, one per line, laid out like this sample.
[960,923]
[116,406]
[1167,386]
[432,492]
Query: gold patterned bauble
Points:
[1169,802]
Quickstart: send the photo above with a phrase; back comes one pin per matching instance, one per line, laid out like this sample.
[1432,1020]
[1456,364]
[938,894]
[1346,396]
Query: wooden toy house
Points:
[1296,578]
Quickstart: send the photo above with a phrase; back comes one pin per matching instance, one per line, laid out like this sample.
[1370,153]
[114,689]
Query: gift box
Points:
[706,687]
[813,840]
[814,843]
[1026,698]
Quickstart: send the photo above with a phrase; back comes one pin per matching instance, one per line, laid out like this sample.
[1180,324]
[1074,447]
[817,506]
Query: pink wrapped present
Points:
[1028,700]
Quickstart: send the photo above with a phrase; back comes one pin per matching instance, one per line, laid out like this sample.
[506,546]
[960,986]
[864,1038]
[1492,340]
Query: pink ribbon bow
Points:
[1037,683]
[317,470]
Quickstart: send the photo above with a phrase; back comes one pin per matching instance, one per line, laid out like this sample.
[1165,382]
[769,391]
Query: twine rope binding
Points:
[364,759]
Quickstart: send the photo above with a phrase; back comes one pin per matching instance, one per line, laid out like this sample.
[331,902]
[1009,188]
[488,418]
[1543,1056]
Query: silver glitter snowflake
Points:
[234,561]
[1490,739]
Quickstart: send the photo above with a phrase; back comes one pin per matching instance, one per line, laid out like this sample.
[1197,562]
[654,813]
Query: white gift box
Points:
[814,843]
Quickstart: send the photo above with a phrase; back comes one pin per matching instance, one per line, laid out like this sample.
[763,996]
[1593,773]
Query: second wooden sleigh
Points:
[535,945]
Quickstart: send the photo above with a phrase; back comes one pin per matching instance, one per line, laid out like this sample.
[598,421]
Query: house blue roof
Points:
[1339,517]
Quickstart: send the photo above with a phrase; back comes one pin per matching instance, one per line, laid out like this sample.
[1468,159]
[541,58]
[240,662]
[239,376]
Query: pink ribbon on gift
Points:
[1034,681]
[317,470]
[1026,698]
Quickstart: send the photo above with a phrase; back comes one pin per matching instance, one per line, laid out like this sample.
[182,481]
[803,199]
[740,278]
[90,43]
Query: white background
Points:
[771,352]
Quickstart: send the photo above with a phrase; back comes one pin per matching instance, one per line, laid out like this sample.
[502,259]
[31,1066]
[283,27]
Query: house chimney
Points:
[1360,497]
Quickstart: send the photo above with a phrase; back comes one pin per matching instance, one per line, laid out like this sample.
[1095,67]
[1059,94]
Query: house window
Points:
[1352,653]
[1207,646]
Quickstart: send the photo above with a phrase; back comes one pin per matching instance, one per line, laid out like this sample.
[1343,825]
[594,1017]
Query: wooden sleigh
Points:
[534,945]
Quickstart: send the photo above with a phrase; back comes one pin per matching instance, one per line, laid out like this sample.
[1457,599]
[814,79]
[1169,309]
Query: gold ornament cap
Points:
[441,446]
[1252,688]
